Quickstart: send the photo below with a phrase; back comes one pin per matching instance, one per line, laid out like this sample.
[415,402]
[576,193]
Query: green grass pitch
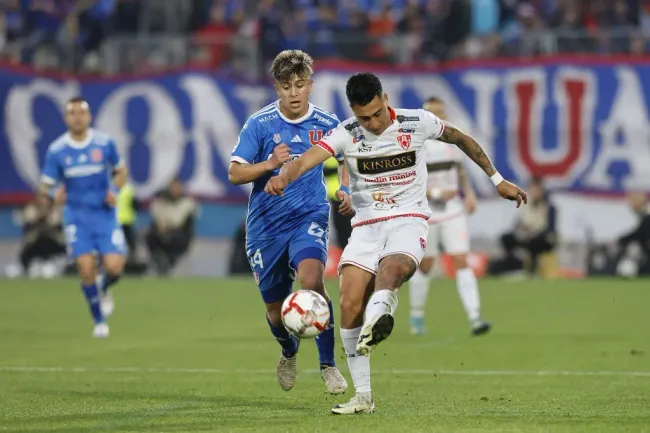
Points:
[196,355]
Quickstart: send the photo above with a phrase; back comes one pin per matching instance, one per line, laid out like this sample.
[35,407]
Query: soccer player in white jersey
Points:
[447,227]
[381,147]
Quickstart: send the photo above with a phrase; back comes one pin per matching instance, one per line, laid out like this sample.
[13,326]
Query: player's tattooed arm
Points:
[467,144]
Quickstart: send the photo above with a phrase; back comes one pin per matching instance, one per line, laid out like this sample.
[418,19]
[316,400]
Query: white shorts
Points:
[370,243]
[452,234]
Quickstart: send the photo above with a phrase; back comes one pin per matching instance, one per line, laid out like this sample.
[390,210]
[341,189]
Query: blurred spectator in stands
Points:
[173,214]
[11,24]
[42,224]
[216,37]
[533,234]
[322,35]
[522,35]
[271,38]
[45,24]
[354,43]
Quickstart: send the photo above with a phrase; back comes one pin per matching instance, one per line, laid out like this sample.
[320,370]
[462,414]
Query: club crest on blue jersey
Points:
[96,155]
[276,138]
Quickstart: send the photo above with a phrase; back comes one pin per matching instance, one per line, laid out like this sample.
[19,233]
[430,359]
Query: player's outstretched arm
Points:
[239,173]
[475,152]
[296,168]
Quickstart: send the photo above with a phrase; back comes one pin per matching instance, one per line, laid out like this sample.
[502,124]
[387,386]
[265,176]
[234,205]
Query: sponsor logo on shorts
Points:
[257,278]
[384,164]
[423,244]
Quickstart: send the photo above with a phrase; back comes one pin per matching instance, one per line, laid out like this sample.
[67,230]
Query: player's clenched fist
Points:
[511,191]
[345,208]
[276,185]
[281,154]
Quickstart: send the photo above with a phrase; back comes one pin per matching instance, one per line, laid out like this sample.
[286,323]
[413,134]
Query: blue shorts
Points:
[93,232]
[274,261]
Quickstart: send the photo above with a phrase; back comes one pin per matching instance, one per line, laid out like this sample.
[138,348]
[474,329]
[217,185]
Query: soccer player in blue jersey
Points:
[87,164]
[287,235]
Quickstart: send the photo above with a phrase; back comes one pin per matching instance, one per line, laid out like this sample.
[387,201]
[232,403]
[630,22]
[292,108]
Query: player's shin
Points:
[288,342]
[418,292]
[359,365]
[381,302]
[92,297]
[467,286]
[325,342]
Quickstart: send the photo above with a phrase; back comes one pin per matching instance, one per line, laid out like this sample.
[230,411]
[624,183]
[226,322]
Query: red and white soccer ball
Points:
[305,314]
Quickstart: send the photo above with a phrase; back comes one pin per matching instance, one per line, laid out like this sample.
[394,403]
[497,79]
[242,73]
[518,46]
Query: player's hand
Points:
[281,154]
[276,185]
[345,208]
[60,196]
[470,203]
[510,191]
[111,199]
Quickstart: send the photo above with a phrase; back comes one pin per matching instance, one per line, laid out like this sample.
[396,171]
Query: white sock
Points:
[359,365]
[468,291]
[418,292]
[381,302]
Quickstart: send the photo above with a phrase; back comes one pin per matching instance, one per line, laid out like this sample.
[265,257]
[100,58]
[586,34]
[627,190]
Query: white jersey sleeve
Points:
[336,141]
[433,125]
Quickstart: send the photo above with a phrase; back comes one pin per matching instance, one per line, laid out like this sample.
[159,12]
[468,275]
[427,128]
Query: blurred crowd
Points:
[130,35]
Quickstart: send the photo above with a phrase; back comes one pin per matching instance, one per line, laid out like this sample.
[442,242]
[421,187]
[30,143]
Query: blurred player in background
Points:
[382,148]
[447,227]
[288,235]
[87,163]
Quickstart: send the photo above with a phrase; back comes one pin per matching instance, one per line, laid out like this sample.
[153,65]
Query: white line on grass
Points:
[423,372]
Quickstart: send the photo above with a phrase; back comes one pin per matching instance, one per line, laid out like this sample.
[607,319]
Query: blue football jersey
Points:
[84,168]
[270,216]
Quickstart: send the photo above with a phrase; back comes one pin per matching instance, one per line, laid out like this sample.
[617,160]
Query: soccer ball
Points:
[305,314]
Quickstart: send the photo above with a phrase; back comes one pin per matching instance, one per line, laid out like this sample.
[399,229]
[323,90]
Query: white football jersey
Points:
[443,160]
[388,174]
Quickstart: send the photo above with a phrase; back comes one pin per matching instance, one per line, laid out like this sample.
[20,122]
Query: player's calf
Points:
[113,265]
[394,270]
[86,268]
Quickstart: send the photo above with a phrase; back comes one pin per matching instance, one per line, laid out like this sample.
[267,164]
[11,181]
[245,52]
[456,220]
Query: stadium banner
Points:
[584,127]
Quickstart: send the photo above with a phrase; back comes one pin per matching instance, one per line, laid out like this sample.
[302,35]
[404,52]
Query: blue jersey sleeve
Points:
[113,155]
[249,143]
[52,173]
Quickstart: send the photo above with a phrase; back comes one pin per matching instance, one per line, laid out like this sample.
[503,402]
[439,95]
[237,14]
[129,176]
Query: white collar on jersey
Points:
[80,144]
[310,110]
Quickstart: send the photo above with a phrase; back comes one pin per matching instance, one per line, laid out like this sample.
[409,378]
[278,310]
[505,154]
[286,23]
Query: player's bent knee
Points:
[460,261]
[426,265]
[312,282]
[395,270]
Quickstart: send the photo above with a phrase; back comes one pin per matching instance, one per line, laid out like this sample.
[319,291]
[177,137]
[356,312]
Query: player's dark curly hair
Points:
[289,63]
[362,88]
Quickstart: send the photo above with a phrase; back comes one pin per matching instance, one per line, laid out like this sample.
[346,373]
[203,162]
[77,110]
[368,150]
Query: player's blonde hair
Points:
[289,63]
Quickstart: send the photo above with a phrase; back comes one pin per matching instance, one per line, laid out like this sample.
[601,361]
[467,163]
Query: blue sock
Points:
[325,342]
[288,342]
[92,297]
[108,280]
